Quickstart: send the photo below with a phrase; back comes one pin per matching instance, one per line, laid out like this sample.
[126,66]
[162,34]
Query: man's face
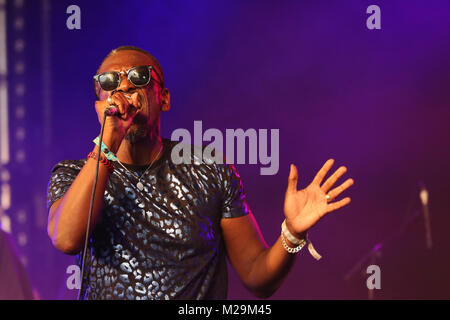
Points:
[152,99]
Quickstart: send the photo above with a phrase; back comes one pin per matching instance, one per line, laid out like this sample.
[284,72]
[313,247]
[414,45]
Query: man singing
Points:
[161,230]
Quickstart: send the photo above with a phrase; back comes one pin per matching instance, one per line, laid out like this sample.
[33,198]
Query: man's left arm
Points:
[261,268]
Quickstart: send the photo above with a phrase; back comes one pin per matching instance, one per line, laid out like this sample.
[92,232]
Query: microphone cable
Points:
[107,113]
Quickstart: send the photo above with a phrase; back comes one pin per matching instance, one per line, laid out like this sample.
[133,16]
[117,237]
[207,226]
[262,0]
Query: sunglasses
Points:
[139,76]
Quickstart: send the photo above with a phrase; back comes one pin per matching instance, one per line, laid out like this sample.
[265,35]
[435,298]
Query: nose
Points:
[125,84]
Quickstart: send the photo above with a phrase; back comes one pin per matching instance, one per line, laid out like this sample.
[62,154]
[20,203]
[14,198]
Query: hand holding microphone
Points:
[112,110]
[122,104]
[120,109]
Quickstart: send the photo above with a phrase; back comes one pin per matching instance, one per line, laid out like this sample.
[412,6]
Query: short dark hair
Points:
[122,48]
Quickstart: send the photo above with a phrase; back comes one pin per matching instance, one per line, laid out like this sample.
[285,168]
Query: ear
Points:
[165,97]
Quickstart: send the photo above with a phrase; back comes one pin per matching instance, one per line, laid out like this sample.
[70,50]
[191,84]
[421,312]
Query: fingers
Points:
[292,181]
[338,190]
[333,178]
[135,100]
[121,102]
[323,172]
[338,204]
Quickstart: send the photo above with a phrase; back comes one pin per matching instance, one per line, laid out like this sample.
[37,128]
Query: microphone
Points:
[112,111]
[426,214]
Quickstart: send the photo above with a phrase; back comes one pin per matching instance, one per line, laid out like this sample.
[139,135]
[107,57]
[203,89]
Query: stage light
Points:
[20,112]
[5,200]
[19,23]
[24,260]
[22,239]
[21,216]
[18,3]
[5,176]
[5,223]
[20,133]
[20,156]
[19,45]
[20,89]
[19,67]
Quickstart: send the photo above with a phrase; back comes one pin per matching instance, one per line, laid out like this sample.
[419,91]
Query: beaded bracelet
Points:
[108,154]
[103,160]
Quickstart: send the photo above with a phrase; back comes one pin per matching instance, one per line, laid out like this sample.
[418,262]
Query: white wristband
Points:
[289,235]
[298,242]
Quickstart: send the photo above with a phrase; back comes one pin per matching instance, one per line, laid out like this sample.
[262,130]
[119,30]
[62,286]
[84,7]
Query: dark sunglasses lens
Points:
[109,80]
[139,76]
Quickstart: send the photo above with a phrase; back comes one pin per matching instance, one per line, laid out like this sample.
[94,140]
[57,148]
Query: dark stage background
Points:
[377,101]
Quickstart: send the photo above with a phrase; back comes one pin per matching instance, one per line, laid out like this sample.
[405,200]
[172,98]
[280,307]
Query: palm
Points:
[304,208]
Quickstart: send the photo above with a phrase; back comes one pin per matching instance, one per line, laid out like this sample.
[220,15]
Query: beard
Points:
[138,134]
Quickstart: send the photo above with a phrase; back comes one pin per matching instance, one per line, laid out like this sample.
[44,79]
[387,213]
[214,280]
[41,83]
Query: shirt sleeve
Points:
[234,203]
[62,176]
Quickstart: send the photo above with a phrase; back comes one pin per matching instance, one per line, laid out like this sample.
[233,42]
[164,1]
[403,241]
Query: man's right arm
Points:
[68,216]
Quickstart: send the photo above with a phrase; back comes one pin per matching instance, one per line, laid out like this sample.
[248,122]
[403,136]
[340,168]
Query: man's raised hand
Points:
[304,208]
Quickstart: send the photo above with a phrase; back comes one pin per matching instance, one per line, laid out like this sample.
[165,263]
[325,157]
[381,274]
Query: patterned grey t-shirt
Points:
[164,242]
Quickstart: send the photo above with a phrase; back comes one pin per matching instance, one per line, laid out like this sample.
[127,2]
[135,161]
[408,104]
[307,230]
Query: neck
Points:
[142,152]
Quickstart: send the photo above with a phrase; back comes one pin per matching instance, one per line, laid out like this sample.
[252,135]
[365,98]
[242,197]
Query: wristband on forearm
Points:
[300,243]
[108,154]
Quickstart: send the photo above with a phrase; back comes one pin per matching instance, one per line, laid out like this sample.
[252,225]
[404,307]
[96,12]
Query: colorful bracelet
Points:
[108,154]
[103,160]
